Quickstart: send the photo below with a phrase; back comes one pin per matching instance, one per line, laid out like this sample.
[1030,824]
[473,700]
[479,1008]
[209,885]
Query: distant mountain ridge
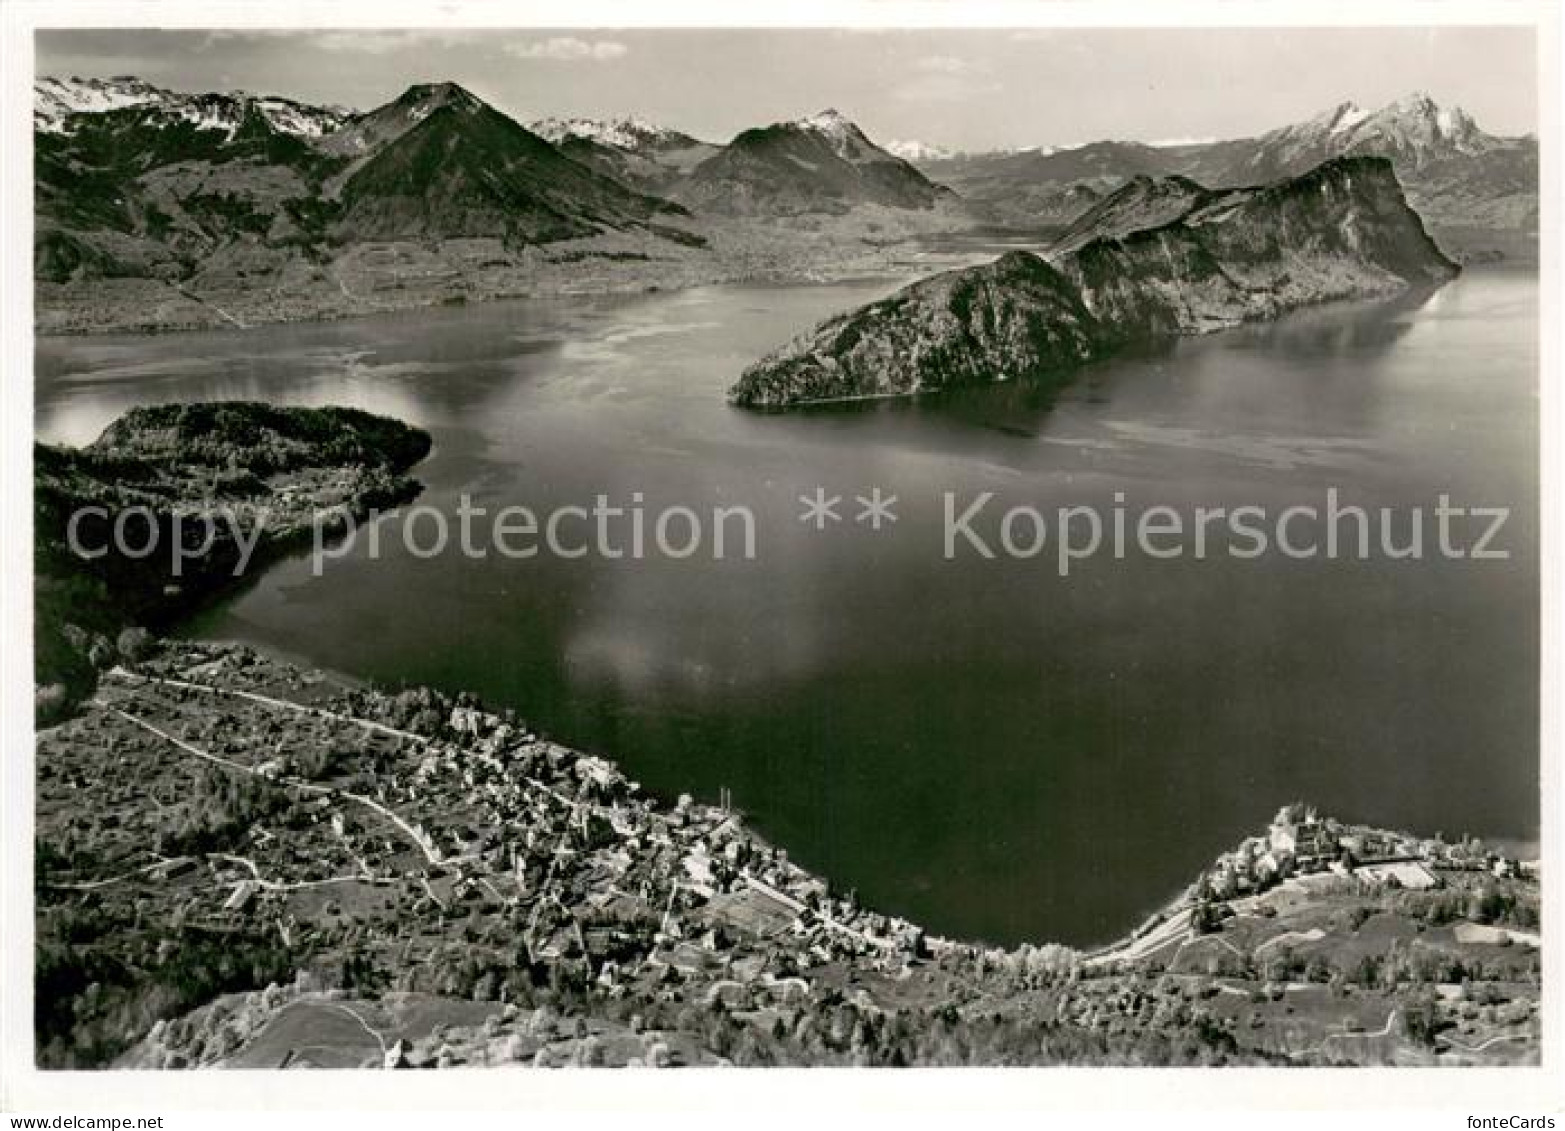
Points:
[631,150]
[1475,188]
[822,163]
[913,151]
[630,132]
[56,102]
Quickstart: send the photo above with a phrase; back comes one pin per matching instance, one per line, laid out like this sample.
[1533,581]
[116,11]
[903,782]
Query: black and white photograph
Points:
[900,541]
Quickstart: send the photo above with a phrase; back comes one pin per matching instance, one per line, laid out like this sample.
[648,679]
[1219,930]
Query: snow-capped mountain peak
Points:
[843,135]
[57,100]
[828,119]
[915,151]
[832,123]
[1414,129]
[1421,127]
[300,119]
[630,132]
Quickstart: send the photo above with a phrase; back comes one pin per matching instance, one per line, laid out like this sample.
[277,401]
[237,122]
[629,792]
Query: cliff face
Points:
[1141,202]
[1013,317]
[1342,230]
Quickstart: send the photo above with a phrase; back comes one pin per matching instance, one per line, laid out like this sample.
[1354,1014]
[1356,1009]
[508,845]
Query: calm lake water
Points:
[991,749]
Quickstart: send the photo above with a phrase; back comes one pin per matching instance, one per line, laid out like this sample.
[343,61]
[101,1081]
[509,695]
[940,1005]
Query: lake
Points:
[994,750]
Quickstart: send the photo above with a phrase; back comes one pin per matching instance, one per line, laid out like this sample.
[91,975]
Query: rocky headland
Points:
[1154,260]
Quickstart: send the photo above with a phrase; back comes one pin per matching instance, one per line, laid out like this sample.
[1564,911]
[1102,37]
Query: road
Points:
[347,720]
[424,845]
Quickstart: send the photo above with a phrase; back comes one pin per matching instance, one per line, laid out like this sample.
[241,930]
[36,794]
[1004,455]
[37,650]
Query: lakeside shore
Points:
[238,291]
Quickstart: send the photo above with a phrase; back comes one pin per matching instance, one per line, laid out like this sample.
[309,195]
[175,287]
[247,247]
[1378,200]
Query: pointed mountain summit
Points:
[1414,132]
[443,164]
[820,164]
[1420,128]
[385,124]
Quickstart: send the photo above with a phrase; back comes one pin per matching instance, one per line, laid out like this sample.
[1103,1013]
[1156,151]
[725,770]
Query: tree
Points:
[1420,1018]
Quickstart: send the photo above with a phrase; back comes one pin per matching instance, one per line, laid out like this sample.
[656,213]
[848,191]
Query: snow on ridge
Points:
[56,99]
[831,125]
[828,120]
[1348,116]
[843,135]
[628,132]
[1174,142]
[290,117]
[914,150]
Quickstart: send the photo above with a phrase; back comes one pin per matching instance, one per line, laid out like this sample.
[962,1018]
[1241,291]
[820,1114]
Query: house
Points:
[596,770]
[698,866]
[1283,839]
[240,898]
[1270,867]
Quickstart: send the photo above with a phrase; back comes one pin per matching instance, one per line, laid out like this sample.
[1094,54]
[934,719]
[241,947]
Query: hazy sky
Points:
[967,89]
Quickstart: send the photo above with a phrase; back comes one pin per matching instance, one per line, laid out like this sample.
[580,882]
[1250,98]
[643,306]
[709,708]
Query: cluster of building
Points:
[390,836]
[1301,842]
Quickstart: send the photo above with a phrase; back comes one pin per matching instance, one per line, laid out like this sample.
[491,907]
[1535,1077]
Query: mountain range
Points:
[157,209]
[222,197]
[132,179]
[1479,192]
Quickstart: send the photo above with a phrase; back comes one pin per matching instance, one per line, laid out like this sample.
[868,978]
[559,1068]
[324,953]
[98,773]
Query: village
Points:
[341,829]
[220,823]
[1300,842]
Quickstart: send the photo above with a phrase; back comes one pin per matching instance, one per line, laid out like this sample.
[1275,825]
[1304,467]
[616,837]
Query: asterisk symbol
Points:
[876,508]
[820,509]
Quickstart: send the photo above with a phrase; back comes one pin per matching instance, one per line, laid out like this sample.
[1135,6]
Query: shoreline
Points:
[397,277]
